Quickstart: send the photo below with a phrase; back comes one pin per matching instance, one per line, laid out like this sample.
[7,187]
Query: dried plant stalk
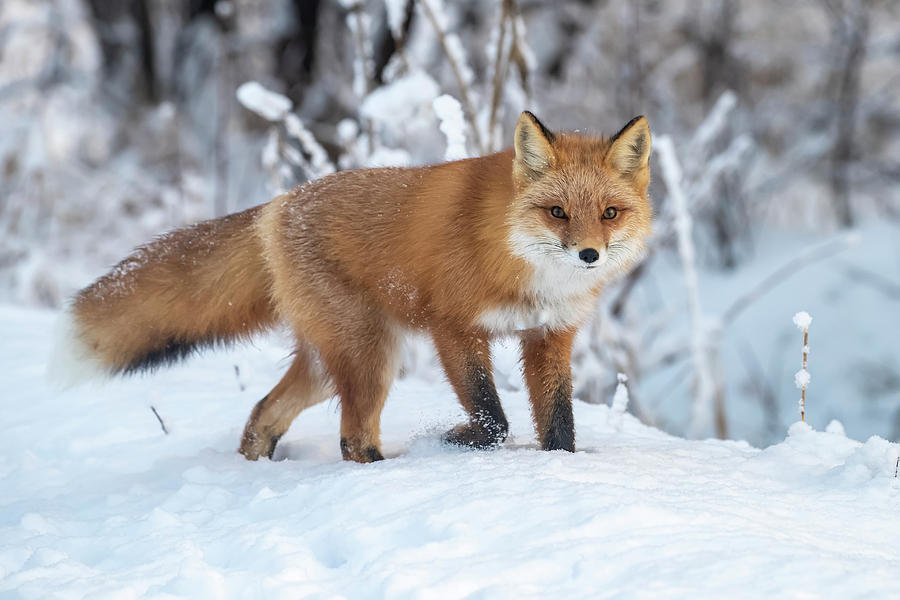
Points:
[801,378]
[805,360]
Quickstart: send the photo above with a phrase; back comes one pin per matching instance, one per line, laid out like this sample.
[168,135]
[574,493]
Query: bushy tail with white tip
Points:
[192,288]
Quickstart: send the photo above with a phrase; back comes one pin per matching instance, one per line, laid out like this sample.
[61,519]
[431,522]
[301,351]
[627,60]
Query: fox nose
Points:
[589,255]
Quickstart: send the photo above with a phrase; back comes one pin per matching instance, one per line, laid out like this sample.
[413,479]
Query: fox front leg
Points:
[466,358]
[547,359]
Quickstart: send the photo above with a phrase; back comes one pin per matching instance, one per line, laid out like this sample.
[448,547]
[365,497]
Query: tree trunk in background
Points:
[295,54]
[632,77]
[125,28]
[851,33]
[224,103]
[712,36]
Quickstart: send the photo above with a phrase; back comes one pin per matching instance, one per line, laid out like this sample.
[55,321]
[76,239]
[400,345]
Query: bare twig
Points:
[159,418]
[237,375]
[500,67]
[881,283]
[516,51]
[805,359]
[363,67]
[802,320]
[221,201]
[618,305]
[760,385]
[512,26]
[708,401]
[606,337]
[317,164]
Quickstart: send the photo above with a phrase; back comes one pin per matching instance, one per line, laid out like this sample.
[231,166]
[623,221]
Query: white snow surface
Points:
[97,502]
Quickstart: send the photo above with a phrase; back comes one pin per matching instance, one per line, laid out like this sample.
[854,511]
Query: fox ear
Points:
[629,150]
[534,154]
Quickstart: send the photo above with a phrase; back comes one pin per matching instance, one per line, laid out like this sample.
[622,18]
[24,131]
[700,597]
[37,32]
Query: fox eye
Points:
[610,213]
[558,212]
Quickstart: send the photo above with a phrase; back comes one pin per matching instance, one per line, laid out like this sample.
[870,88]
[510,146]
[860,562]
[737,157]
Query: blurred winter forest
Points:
[776,174]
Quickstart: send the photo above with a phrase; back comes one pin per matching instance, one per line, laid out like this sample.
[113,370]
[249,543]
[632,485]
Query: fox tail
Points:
[192,288]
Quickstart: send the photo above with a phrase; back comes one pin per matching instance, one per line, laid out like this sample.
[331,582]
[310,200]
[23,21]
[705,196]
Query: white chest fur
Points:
[555,299]
[553,315]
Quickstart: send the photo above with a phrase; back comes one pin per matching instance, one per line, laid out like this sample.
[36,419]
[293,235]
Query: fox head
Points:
[581,211]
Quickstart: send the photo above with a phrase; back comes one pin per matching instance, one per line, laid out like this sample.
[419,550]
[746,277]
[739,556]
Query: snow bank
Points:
[98,502]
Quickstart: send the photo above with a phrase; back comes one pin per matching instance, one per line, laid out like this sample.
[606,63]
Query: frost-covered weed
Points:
[802,378]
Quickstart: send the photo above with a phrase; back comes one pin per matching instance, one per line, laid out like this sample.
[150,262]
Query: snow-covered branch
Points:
[450,114]
[456,58]
[705,380]
[289,144]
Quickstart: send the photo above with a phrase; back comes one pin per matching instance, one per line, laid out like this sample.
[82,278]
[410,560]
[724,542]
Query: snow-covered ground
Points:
[96,501]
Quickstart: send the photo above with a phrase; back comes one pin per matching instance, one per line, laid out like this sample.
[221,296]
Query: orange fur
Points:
[465,251]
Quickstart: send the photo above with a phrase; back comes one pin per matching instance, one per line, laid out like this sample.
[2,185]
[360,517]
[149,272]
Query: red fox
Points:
[515,243]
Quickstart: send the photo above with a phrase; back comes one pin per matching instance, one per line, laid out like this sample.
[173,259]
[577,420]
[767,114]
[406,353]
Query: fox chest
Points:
[554,298]
[549,313]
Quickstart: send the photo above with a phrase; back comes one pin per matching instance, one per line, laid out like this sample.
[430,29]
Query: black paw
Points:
[475,437]
[256,445]
[273,441]
[561,434]
[372,454]
[367,454]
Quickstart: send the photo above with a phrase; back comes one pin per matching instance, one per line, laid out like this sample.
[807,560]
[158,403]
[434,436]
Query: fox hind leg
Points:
[357,344]
[304,385]
[363,368]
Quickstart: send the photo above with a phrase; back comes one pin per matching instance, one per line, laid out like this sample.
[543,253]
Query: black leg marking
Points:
[273,441]
[561,434]
[468,435]
[373,454]
[488,427]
